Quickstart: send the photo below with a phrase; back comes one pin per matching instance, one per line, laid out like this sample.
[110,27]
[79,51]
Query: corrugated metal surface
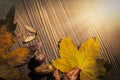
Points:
[77,19]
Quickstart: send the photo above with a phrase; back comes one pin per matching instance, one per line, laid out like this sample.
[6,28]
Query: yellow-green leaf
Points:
[90,48]
[68,53]
[83,58]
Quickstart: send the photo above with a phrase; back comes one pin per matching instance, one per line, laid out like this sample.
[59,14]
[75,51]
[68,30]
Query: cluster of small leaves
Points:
[9,61]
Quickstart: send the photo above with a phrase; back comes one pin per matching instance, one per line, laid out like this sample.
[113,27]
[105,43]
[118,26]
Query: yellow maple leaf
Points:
[83,58]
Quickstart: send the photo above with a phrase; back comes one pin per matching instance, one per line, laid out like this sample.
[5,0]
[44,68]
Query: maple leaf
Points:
[9,73]
[7,28]
[7,36]
[17,57]
[20,56]
[84,58]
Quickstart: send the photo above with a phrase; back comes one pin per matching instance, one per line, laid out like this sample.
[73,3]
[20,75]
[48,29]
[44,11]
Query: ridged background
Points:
[77,19]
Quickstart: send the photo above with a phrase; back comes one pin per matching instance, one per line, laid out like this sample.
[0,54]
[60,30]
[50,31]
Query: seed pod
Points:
[44,69]
[73,74]
[29,38]
[39,58]
[56,75]
[35,47]
[29,28]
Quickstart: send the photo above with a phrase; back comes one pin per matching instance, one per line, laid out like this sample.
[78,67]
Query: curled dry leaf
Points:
[73,74]
[56,75]
[35,46]
[29,28]
[40,58]
[44,69]
[29,38]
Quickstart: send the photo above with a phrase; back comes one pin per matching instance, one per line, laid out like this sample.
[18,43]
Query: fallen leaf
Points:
[20,56]
[84,59]
[9,73]
[7,28]
[17,57]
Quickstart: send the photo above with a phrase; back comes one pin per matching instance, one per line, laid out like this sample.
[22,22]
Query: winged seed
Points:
[29,38]
[29,28]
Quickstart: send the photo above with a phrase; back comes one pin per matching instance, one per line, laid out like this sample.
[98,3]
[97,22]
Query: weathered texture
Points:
[55,19]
